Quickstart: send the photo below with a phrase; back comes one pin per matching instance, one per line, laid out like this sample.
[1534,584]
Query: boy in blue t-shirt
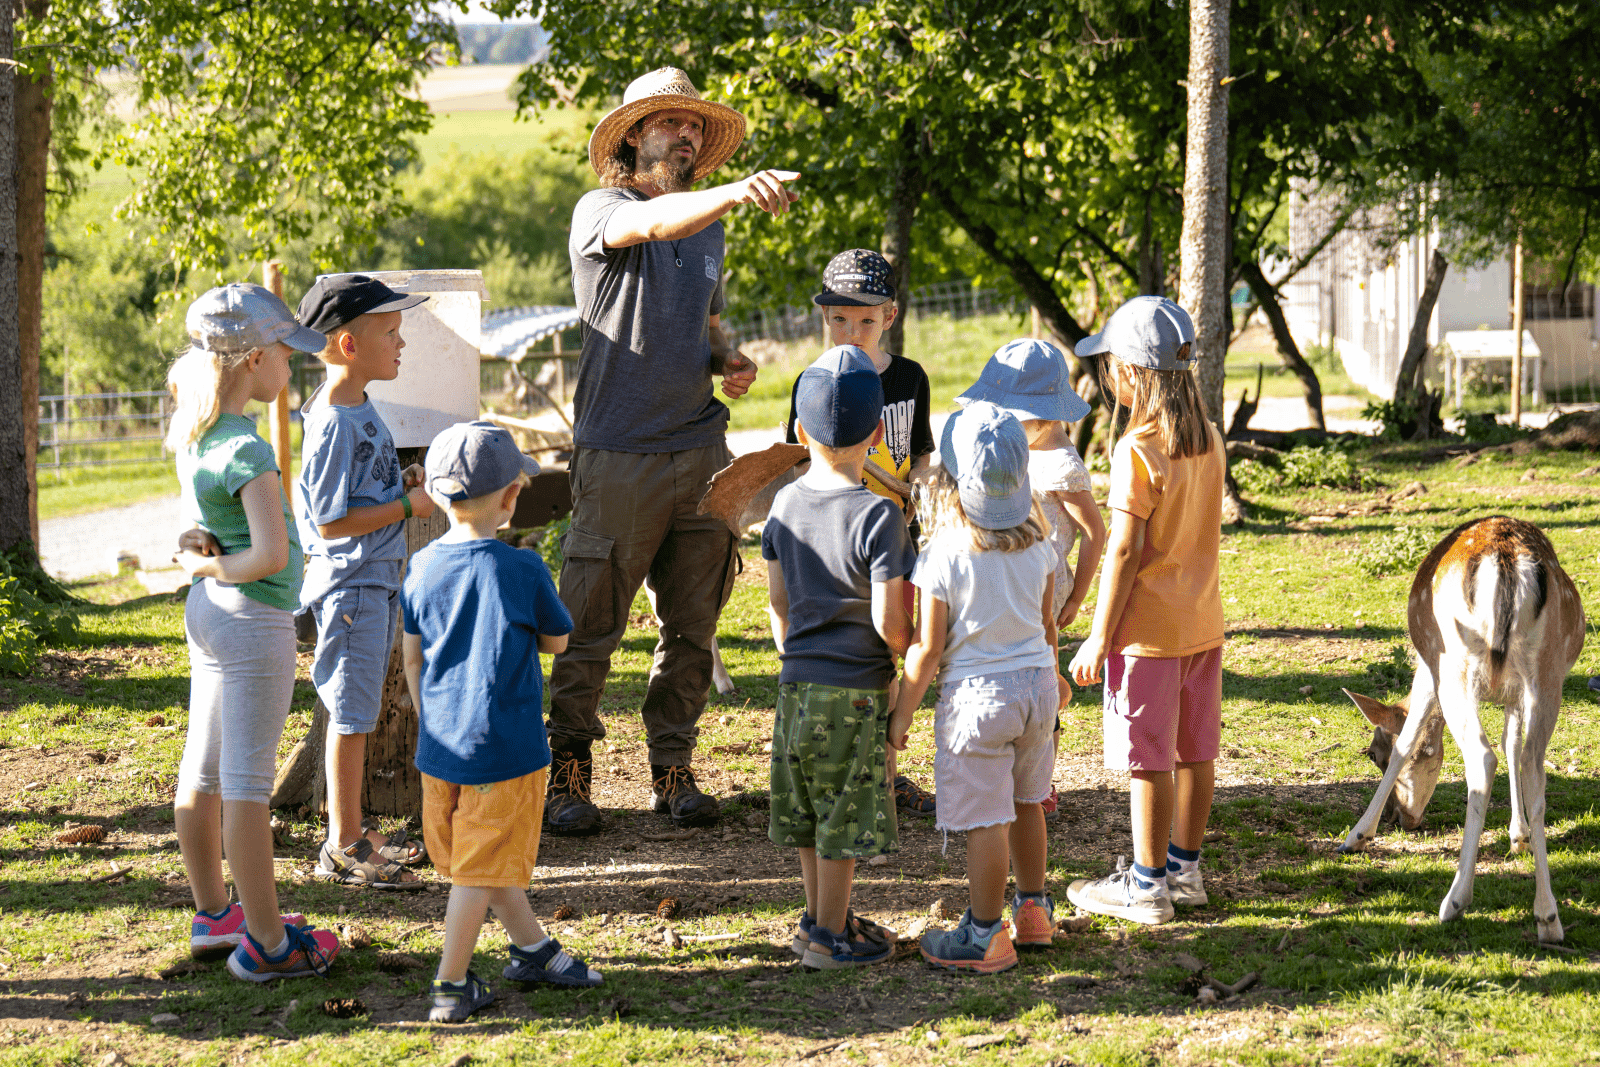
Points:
[477,615]
[353,502]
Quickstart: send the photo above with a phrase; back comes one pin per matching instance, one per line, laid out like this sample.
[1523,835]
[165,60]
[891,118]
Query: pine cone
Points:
[667,909]
[156,720]
[355,936]
[87,834]
[343,1007]
[565,911]
[397,962]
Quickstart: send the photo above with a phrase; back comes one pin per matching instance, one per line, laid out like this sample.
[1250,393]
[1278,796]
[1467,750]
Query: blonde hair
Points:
[195,381]
[1169,402]
[941,512]
[480,503]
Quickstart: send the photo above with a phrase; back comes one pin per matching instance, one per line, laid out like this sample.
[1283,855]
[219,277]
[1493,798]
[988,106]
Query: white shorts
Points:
[996,748]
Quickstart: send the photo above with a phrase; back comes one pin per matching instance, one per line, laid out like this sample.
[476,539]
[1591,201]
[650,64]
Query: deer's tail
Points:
[1519,579]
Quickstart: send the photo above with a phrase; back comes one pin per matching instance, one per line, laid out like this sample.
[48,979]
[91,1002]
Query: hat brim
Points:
[305,339]
[1093,345]
[530,466]
[829,298]
[724,132]
[401,302]
[1054,407]
[997,512]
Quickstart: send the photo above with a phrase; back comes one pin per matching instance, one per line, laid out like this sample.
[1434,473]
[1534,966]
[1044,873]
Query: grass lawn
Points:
[1354,966]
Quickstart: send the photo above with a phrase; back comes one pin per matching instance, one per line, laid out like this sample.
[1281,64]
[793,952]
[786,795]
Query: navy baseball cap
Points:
[335,300]
[1147,331]
[839,398]
[857,278]
[473,459]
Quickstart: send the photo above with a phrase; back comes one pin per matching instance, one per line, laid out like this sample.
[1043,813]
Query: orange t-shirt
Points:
[1175,608]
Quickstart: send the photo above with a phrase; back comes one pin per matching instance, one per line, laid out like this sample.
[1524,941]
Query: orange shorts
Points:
[484,835]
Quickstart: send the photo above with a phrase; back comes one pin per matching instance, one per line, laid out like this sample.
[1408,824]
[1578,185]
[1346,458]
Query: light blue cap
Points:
[1028,378]
[986,452]
[1147,331]
[473,459]
[243,316]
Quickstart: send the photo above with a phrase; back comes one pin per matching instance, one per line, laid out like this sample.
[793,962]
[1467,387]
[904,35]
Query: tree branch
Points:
[1107,251]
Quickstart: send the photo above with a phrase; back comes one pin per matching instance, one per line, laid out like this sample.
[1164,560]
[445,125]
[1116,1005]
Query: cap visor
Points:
[305,339]
[530,466]
[399,303]
[1093,345]
[827,298]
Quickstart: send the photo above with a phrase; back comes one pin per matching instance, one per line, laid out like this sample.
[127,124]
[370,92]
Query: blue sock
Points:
[1147,877]
[1182,860]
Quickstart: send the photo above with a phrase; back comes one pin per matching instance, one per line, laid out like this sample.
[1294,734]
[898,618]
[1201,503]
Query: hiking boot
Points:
[454,1002]
[568,812]
[962,949]
[1034,919]
[1186,888]
[1120,895]
[676,794]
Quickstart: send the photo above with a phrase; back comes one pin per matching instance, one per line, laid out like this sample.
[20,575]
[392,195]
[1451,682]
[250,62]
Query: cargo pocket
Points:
[586,581]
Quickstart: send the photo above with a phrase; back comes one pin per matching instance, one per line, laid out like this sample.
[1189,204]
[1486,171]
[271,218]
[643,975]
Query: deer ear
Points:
[1383,716]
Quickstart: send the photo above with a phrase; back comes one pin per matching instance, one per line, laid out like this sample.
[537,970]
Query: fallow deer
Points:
[1492,616]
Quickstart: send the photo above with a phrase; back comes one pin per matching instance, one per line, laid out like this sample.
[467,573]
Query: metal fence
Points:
[98,429]
[955,300]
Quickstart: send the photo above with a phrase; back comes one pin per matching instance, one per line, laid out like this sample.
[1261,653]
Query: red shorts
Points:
[1158,711]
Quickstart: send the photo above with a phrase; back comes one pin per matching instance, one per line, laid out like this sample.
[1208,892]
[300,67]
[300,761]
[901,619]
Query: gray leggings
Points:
[241,676]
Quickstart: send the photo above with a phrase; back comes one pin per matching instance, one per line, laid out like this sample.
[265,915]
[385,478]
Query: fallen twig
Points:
[116,872]
[1329,748]
[1225,991]
[703,938]
[670,835]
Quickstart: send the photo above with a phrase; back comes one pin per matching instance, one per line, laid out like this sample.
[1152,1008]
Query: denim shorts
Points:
[830,772]
[996,746]
[355,637]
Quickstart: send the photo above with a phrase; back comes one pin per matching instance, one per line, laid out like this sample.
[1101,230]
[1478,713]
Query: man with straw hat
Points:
[647,270]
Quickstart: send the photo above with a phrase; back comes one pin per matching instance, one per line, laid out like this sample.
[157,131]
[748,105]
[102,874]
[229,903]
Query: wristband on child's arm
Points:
[405,503]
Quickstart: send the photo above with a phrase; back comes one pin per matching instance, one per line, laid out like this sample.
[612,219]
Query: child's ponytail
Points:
[195,382]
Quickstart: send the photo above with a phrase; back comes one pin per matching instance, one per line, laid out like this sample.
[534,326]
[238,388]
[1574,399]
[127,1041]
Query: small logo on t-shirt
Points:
[372,431]
[711,268]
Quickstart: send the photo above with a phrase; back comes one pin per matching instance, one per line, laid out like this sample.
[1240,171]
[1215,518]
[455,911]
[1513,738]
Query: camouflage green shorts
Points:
[830,787]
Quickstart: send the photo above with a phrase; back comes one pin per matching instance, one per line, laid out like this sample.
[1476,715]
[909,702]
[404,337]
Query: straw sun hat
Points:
[661,90]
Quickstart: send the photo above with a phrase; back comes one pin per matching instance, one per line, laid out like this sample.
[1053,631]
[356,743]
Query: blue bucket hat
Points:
[473,459]
[1147,331]
[839,398]
[1029,379]
[986,452]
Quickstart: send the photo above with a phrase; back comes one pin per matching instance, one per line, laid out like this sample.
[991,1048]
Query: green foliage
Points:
[1400,551]
[1481,427]
[550,543]
[35,612]
[1394,417]
[505,215]
[257,124]
[1304,467]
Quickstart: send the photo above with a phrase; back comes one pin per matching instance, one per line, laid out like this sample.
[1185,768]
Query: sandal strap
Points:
[362,861]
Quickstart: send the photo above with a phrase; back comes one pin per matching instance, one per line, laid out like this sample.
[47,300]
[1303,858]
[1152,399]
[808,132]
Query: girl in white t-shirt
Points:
[988,629]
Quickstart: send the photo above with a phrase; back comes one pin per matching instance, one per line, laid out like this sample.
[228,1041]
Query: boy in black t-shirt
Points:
[860,302]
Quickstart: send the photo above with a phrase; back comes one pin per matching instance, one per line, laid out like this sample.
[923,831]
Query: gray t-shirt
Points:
[347,460]
[831,545]
[644,377]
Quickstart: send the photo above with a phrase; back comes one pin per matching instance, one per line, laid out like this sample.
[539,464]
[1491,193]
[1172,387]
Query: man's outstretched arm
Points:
[673,216]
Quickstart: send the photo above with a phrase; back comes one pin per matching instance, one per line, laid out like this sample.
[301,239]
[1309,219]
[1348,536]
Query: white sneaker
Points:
[1120,895]
[1187,889]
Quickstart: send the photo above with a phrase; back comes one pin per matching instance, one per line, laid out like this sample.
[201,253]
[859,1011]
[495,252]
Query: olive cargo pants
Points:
[634,517]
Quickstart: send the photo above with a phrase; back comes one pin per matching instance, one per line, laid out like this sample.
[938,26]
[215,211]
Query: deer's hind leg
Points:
[1536,711]
[1512,744]
[1458,700]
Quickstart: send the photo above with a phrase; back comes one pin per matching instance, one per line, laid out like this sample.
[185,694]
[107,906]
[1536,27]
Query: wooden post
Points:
[278,410]
[1516,329]
[561,369]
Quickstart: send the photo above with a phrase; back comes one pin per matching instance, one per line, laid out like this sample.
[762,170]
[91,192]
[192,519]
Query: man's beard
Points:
[670,174]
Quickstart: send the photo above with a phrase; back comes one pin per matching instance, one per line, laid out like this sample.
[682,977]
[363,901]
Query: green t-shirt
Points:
[230,456]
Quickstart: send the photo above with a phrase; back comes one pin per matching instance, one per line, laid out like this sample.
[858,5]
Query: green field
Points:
[1354,967]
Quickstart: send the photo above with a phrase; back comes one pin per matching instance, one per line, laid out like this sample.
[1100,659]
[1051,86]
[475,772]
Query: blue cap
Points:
[1029,379]
[473,459]
[243,316]
[1147,331]
[839,398]
[986,452]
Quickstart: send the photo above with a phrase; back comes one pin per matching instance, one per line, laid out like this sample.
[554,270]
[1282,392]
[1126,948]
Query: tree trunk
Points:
[15,529]
[32,110]
[1406,386]
[1204,246]
[1268,298]
[905,194]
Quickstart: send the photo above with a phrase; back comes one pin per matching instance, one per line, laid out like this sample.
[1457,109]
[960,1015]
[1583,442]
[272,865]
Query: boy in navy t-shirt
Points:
[477,615]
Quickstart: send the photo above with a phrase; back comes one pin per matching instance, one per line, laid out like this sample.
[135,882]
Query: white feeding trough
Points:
[438,382]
